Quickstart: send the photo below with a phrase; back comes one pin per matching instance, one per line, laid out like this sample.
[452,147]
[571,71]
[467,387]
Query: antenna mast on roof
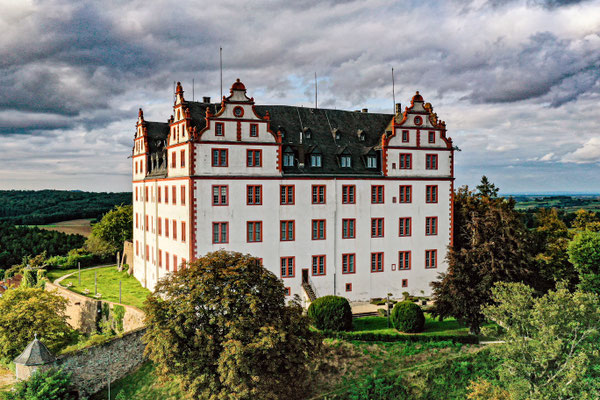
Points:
[221,68]
[393,93]
[316,88]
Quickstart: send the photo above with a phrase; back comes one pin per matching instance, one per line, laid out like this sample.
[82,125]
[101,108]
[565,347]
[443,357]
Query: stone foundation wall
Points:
[92,367]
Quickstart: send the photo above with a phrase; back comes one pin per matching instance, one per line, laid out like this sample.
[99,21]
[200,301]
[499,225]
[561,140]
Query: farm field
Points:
[75,226]
[566,203]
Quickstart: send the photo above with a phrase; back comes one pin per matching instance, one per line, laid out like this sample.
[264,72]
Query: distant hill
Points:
[37,207]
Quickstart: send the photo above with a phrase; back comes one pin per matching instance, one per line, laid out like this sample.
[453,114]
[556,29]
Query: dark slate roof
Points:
[36,353]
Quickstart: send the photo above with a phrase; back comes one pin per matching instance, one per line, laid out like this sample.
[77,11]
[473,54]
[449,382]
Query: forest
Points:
[37,207]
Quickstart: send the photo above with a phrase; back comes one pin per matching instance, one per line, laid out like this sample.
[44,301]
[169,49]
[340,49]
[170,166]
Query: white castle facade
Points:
[350,203]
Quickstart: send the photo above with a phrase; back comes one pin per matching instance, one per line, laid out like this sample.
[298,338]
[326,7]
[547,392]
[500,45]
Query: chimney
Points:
[398,108]
[206,99]
[365,110]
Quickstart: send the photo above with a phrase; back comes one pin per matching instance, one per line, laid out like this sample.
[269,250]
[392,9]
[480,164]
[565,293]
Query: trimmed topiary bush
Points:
[331,313]
[408,317]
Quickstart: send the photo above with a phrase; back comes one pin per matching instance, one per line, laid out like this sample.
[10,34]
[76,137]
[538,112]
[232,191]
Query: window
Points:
[287,231]
[431,194]
[146,196]
[183,231]
[254,158]
[182,157]
[315,160]
[348,287]
[376,262]
[288,291]
[405,194]
[404,260]
[173,159]
[174,263]
[166,227]
[220,234]
[174,230]
[318,229]
[371,162]
[136,168]
[404,226]
[288,266]
[318,194]
[405,137]
[430,258]
[318,265]
[219,157]
[404,282]
[254,195]
[431,161]
[253,130]
[146,225]
[405,161]
[346,161]
[219,195]
[159,194]
[287,194]
[136,194]
[431,137]
[136,220]
[254,231]
[219,129]
[174,195]
[376,194]
[167,260]
[159,226]
[431,226]
[137,248]
[348,194]
[166,194]
[288,159]
[376,227]
[183,195]
[348,263]
[348,231]
[147,253]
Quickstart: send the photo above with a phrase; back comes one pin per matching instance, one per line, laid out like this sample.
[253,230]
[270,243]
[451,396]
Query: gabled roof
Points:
[36,353]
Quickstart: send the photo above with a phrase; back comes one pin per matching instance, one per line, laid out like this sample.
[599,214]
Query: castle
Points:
[351,203]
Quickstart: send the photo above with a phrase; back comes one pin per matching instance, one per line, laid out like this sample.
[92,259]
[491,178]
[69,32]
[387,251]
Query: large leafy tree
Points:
[223,327]
[25,312]
[584,254]
[491,244]
[551,348]
[113,229]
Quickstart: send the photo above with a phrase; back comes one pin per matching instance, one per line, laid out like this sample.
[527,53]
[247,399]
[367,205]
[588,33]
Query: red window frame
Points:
[251,160]
[404,226]
[137,248]
[159,258]
[219,195]
[431,161]
[159,194]
[348,194]
[285,191]
[173,159]
[404,260]
[377,262]
[173,194]
[182,157]
[167,260]
[377,227]
[166,194]
[136,220]
[220,227]
[182,195]
[405,194]
[219,157]
[316,229]
[430,259]
[159,223]
[405,161]
[255,128]
[431,226]
[254,195]
[431,193]
[377,194]
[431,137]
[288,291]
[146,196]
[348,287]
[405,137]
[219,129]
[348,228]
[147,224]
[174,231]
[136,193]
[404,282]
[284,267]
[174,263]
[349,263]
[319,194]
[287,231]
[147,252]
[166,227]
[319,261]
[183,232]
[254,235]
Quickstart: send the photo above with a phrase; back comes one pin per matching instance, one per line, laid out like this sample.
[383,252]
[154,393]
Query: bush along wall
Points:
[331,312]
[394,337]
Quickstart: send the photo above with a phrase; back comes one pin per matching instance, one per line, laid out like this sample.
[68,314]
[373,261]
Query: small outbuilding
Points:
[36,356]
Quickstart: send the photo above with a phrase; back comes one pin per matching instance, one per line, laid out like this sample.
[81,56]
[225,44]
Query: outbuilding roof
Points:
[36,353]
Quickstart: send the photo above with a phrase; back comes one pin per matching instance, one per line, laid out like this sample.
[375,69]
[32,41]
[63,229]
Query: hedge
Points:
[408,317]
[394,337]
[331,312]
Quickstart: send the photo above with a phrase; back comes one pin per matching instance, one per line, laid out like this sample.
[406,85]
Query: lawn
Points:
[73,227]
[108,285]
[57,273]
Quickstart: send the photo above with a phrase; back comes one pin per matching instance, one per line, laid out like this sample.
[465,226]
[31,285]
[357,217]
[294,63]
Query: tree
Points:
[114,228]
[27,311]
[551,343]
[491,244]
[222,326]
[585,220]
[487,188]
[584,254]
[52,384]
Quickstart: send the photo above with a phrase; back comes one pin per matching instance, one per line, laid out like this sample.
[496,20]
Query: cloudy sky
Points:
[518,82]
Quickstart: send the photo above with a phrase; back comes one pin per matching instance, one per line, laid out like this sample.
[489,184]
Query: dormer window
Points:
[307,133]
[336,133]
[346,161]
[361,135]
[288,159]
[371,161]
[315,160]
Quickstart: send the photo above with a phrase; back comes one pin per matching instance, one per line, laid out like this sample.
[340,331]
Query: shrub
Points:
[395,337]
[51,384]
[331,312]
[29,278]
[408,317]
